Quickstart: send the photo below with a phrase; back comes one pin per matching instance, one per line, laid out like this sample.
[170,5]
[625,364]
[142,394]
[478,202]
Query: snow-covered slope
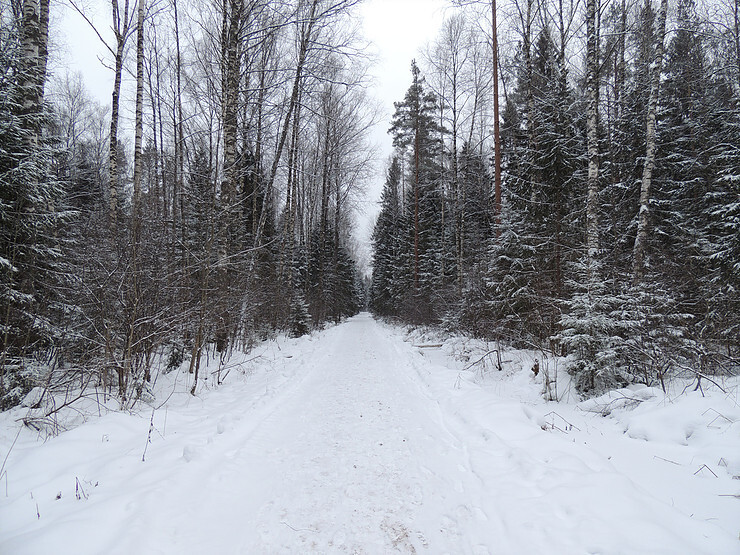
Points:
[353,440]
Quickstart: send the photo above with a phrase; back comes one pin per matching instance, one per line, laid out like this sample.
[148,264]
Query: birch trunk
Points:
[153,94]
[592,120]
[138,121]
[496,134]
[35,39]
[132,277]
[232,71]
[121,31]
[306,37]
[179,186]
[656,67]
[530,75]
[737,39]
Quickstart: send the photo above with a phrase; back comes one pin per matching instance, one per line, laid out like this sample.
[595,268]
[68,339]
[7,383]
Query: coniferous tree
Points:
[685,178]
[31,207]
[389,279]
[721,215]
[544,170]
[624,168]
[416,134]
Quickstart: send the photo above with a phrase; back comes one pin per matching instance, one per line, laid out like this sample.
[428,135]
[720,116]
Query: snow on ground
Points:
[361,439]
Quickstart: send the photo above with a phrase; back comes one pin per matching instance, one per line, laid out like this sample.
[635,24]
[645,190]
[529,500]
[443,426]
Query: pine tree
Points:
[417,134]
[299,320]
[720,327]
[475,184]
[685,180]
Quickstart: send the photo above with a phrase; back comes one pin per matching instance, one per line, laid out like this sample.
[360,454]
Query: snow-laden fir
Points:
[364,438]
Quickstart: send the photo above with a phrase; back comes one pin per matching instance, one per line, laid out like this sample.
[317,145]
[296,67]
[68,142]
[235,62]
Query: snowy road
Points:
[352,458]
[348,442]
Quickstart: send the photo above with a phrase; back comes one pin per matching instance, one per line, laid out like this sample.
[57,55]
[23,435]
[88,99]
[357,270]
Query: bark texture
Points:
[592,135]
[35,39]
[121,29]
[643,221]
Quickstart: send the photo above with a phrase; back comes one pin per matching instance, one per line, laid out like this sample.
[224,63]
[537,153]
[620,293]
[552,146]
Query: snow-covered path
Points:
[351,457]
[352,441]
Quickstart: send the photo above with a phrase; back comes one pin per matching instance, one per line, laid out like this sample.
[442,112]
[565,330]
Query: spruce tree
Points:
[31,204]
[686,181]
[544,172]
[390,276]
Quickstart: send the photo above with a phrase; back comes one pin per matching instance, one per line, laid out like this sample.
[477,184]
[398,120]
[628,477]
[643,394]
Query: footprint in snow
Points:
[191,453]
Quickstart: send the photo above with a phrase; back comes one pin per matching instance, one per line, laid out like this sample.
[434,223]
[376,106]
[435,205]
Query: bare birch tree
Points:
[643,218]
[123,27]
[34,48]
[592,136]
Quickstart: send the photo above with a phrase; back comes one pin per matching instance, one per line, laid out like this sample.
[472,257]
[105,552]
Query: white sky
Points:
[79,49]
[397,29]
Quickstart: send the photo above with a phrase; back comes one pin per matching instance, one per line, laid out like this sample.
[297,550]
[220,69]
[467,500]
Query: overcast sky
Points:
[397,29]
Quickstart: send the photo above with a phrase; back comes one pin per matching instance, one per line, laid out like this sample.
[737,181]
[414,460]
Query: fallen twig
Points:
[702,467]
[719,415]
[568,425]
[298,529]
[481,359]
[79,492]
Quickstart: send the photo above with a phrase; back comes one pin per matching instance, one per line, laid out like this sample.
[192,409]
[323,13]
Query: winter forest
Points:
[234,320]
[577,193]
[611,229]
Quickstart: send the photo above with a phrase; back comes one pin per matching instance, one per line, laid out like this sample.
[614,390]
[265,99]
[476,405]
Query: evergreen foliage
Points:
[388,283]
[534,279]
[418,137]
[31,211]
[238,224]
